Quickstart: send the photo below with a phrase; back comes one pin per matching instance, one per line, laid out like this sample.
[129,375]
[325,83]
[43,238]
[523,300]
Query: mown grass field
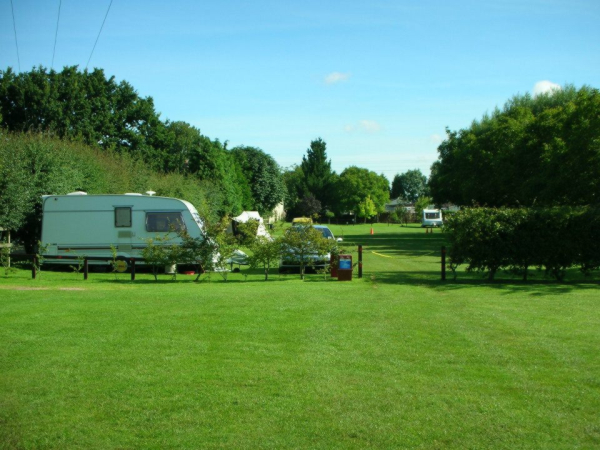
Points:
[398,359]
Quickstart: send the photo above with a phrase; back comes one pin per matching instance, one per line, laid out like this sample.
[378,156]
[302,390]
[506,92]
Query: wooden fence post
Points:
[443,263]
[360,267]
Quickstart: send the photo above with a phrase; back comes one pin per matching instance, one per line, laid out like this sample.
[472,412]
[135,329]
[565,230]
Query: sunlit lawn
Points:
[398,359]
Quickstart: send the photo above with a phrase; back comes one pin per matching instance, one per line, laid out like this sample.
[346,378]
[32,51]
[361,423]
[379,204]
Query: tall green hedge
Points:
[33,164]
[518,239]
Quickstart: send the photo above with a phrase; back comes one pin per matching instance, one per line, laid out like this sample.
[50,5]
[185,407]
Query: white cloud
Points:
[367,126]
[436,139]
[545,86]
[370,126]
[336,77]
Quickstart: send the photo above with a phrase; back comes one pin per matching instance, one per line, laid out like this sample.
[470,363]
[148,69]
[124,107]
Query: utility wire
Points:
[15,28]
[55,34]
[88,63]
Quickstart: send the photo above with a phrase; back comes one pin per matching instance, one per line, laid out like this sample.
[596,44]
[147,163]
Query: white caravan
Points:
[78,224]
[432,218]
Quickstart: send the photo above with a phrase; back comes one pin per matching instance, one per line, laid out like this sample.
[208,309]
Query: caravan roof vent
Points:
[77,193]
[132,193]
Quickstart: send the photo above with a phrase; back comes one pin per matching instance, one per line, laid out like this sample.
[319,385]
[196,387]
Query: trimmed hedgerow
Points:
[517,239]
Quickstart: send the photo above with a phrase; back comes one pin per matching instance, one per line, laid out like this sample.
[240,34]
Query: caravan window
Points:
[122,217]
[432,215]
[164,221]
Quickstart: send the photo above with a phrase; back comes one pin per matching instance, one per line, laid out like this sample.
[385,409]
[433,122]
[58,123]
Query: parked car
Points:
[296,257]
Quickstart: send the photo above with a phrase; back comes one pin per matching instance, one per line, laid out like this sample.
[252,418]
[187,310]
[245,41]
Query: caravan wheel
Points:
[121,265]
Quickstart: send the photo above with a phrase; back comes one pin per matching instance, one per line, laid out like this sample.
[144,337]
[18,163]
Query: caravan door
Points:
[124,228]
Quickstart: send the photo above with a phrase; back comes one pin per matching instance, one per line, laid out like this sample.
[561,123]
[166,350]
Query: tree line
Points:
[528,179]
[535,151]
[89,108]
[315,190]
[81,130]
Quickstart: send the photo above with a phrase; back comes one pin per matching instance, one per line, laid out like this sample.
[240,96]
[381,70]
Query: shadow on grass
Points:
[433,280]
[246,276]
[400,244]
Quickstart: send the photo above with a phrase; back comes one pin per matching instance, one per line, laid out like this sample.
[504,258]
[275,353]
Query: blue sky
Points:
[379,81]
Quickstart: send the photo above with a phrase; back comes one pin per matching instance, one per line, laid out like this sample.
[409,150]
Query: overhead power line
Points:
[90,58]
[15,28]
[56,34]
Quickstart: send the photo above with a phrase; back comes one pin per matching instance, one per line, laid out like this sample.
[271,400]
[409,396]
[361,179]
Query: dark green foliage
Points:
[318,176]
[210,162]
[542,151]
[490,239]
[246,233]
[90,108]
[312,184]
[85,106]
[32,165]
[411,185]
[309,206]
[263,176]
[296,190]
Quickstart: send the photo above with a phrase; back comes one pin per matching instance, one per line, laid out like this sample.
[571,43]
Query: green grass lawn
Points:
[397,359]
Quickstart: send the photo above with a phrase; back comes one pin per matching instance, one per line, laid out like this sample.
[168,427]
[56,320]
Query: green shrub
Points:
[516,239]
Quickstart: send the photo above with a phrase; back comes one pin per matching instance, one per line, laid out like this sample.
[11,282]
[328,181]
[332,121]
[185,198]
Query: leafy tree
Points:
[85,106]
[296,190]
[421,204]
[212,250]
[246,233]
[211,162]
[309,206]
[263,175]
[394,217]
[265,253]
[15,187]
[161,252]
[183,142]
[300,243]
[355,184]
[542,150]
[329,215]
[366,208]
[411,185]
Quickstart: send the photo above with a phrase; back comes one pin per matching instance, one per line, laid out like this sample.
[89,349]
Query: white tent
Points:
[251,215]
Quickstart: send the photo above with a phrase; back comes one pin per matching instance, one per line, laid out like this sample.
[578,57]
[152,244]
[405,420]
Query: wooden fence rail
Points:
[35,262]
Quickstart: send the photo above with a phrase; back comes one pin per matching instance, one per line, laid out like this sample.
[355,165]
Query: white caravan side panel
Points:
[86,224]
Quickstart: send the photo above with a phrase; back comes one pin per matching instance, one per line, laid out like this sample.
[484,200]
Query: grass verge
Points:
[395,360]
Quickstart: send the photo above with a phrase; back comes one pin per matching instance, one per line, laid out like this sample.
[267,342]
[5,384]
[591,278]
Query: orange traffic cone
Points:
[372,231]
